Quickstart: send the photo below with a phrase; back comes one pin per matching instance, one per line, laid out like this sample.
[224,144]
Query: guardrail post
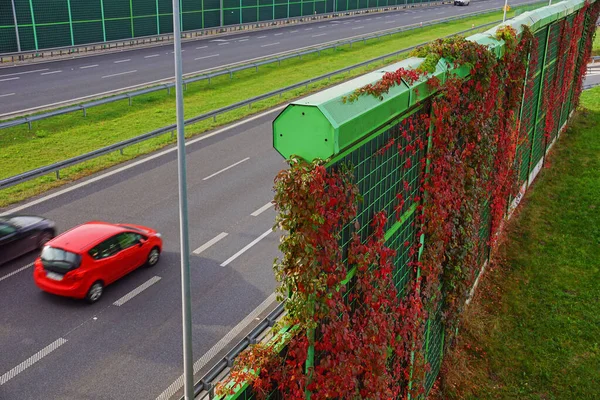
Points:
[84,111]
[58,174]
[28,123]
[129,98]
[121,151]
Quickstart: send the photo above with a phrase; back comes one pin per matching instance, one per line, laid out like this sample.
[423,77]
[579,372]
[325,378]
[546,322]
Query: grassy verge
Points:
[534,330]
[596,45]
[67,136]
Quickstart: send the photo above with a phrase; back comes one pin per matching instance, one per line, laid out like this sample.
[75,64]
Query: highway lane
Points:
[52,83]
[134,350]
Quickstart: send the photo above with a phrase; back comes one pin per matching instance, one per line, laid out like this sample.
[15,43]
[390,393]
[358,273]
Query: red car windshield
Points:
[59,260]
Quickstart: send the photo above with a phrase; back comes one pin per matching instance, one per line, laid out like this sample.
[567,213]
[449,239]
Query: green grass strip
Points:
[66,136]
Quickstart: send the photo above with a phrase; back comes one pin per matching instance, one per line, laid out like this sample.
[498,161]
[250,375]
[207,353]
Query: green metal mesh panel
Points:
[118,29]
[295,9]
[265,13]
[380,177]
[86,11]
[116,9]
[249,14]
[402,272]
[145,26]
[87,32]
[50,11]
[53,35]
[212,19]
[8,40]
[281,11]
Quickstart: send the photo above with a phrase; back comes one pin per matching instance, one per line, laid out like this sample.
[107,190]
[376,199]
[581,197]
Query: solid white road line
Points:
[201,58]
[201,47]
[122,61]
[219,346]
[320,34]
[136,163]
[23,73]
[270,44]
[242,251]
[31,360]
[6,95]
[15,272]
[210,243]
[89,66]
[120,73]
[10,79]
[226,168]
[51,72]
[136,291]
[262,209]
[153,55]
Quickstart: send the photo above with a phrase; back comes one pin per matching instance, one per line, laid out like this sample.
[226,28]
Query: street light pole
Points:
[12,2]
[186,304]
[505,7]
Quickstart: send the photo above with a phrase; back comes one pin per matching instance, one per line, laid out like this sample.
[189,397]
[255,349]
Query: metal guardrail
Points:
[56,167]
[193,34]
[207,382]
[208,76]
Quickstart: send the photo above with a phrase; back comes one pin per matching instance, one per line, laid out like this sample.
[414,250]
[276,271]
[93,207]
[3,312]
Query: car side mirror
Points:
[141,242]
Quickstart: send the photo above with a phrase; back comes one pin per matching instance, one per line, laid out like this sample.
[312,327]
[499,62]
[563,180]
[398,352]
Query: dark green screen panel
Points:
[23,12]
[165,6]
[231,17]
[49,12]
[265,2]
[191,5]
[231,4]
[143,8]
[249,14]
[265,13]
[212,19]
[26,37]
[211,5]
[192,20]
[8,40]
[280,11]
[116,9]
[6,14]
[118,29]
[249,3]
[87,32]
[144,26]
[295,9]
[58,35]
[166,23]
[89,10]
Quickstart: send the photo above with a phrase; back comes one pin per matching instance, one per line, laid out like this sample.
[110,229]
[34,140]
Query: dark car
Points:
[21,234]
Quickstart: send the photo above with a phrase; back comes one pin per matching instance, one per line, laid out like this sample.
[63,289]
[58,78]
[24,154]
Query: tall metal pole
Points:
[186,304]
[221,13]
[16,26]
[505,7]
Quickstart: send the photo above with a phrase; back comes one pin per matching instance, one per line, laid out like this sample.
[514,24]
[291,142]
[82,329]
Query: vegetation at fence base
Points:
[596,45]
[66,136]
[360,335]
[533,330]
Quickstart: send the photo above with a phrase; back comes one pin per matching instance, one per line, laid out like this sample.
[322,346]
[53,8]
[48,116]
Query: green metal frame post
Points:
[33,25]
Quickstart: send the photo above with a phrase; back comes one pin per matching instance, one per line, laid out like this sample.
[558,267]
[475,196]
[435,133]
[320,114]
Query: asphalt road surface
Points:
[53,83]
[133,351]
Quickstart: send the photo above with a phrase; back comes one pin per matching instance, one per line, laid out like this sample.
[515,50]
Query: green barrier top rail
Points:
[323,125]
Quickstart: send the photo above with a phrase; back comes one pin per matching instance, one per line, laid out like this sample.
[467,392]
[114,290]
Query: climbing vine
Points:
[359,336]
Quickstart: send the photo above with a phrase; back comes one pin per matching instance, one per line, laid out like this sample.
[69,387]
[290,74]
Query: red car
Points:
[82,261]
